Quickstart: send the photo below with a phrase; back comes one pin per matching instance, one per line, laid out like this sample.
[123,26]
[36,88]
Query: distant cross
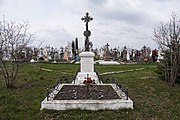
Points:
[115,49]
[107,45]
[144,47]
[125,48]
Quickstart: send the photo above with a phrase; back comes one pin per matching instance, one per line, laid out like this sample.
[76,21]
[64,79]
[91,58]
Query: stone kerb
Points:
[112,104]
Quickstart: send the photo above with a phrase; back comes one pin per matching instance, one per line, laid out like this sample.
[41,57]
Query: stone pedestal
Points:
[87,61]
[87,68]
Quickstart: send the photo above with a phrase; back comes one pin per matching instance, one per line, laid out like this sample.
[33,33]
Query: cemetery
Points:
[104,54]
[86,83]
[71,53]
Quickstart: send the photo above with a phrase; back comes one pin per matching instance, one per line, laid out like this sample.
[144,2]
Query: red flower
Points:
[88,81]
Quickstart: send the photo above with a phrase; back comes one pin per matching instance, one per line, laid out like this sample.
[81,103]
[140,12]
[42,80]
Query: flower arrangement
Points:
[88,80]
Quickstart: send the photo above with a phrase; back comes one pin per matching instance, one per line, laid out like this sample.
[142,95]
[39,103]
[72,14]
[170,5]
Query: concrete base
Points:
[112,104]
[87,104]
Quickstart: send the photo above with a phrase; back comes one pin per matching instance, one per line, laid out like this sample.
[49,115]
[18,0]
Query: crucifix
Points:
[87,33]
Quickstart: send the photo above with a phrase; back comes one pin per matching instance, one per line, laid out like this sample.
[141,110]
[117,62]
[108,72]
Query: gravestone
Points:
[124,54]
[45,54]
[154,55]
[144,52]
[61,53]
[56,56]
[87,61]
[86,57]
[137,56]
[128,55]
[115,52]
[107,53]
[66,58]
[86,68]
[101,53]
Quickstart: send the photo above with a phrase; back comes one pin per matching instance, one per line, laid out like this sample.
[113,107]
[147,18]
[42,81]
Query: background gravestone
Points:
[107,53]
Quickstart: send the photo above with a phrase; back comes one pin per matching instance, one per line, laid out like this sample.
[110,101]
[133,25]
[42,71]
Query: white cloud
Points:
[56,36]
[1,4]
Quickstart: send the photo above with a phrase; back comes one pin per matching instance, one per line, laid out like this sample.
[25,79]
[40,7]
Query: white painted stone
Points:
[87,67]
[81,76]
[32,61]
[128,57]
[87,61]
[112,104]
[102,62]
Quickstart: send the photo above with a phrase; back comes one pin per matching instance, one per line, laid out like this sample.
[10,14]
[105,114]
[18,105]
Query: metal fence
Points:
[109,78]
[52,91]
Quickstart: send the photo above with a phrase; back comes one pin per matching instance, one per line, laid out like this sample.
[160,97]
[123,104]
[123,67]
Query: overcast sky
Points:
[117,22]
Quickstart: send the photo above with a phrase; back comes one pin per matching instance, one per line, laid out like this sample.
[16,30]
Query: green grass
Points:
[153,99]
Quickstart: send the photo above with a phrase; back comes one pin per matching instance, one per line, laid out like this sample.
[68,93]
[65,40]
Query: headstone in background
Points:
[154,55]
[66,56]
[87,61]
[124,54]
[107,53]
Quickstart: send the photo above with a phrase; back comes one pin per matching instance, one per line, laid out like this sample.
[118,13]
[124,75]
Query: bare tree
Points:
[13,39]
[167,37]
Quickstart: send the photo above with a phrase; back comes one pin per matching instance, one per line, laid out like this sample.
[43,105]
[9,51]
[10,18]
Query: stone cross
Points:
[107,55]
[87,33]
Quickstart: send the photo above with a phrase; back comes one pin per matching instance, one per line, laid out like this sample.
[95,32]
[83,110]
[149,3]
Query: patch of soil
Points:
[84,92]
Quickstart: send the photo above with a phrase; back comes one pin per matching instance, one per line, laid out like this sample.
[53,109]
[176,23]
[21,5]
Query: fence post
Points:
[47,94]
[127,93]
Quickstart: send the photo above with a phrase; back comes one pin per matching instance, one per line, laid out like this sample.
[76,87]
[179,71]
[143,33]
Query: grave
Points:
[107,53]
[87,91]
[119,100]
[107,58]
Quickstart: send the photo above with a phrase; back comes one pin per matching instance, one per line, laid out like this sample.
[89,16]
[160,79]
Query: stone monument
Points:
[87,57]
